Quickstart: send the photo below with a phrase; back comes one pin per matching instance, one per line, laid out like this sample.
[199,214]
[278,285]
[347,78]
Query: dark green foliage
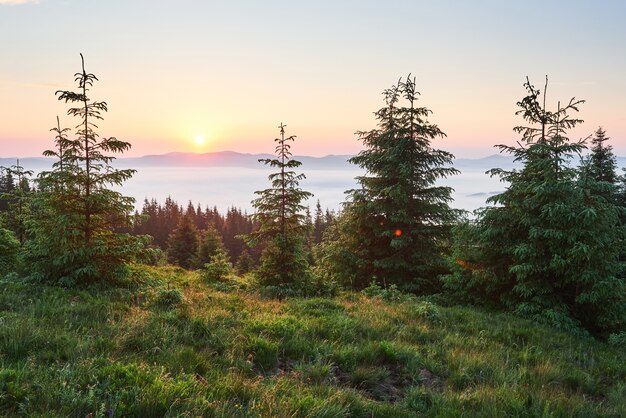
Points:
[9,247]
[279,214]
[210,243]
[182,245]
[160,221]
[396,224]
[470,281]
[284,262]
[245,263]
[339,255]
[16,199]
[76,214]
[319,224]
[618,339]
[391,293]
[602,161]
[7,185]
[552,243]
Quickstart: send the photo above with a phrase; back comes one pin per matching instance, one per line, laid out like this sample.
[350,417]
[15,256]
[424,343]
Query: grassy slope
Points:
[229,352]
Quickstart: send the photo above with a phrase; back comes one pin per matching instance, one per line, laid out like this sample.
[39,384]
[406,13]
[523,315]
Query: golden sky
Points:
[231,72]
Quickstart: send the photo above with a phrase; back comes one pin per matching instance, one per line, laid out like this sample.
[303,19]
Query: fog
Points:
[224,187]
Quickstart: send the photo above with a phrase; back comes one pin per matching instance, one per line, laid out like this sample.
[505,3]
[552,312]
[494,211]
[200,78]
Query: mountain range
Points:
[244,160]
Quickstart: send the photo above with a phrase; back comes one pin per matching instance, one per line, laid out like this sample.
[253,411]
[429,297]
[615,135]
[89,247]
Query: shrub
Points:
[390,293]
[618,339]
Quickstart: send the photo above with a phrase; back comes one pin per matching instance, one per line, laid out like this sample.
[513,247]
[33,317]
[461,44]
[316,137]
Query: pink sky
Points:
[231,73]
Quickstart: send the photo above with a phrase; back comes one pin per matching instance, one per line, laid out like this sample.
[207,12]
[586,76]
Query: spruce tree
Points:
[397,222]
[552,242]
[209,244]
[319,225]
[7,185]
[279,214]
[9,248]
[76,213]
[18,197]
[245,263]
[602,161]
[182,244]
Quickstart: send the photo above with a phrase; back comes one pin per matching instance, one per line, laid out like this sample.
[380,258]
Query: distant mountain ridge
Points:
[245,160]
[230,159]
[189,159]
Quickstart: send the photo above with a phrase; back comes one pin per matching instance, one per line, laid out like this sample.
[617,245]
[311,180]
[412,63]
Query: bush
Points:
[427,311]
[618,339]
[390,293]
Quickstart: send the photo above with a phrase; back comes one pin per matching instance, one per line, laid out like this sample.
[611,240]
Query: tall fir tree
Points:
[77,212]
[602,161]
[209,244]
[182,244]
[18,200]
[319,225]
[396,223]
[280,218]
[551,242]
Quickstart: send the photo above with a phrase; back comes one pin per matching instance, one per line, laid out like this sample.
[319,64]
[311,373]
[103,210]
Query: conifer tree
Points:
[552,242]
[209,244]
[279,214]
[9,247]
[7,185]
[318,223]
[182,245]
[18,198]
[245,263]
[396,223]
[602,161]
[77,214]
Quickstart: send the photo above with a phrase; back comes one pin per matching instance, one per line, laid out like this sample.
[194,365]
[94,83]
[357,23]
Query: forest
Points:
[396,305]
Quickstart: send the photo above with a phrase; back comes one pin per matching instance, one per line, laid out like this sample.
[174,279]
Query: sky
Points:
[202,76]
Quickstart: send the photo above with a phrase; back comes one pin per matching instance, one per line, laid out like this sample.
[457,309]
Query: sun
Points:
[200,139]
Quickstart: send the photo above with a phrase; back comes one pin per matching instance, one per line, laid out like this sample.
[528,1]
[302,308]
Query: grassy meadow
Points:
[167,343]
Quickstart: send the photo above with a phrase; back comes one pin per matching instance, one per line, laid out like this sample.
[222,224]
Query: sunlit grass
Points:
[167,343]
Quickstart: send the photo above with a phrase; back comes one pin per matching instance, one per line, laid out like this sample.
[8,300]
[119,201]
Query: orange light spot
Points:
[398,232]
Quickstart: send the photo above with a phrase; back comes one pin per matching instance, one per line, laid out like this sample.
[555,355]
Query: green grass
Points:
[170,344]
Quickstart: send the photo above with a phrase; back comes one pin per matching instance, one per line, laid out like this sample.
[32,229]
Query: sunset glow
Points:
[232,69]
[199,140]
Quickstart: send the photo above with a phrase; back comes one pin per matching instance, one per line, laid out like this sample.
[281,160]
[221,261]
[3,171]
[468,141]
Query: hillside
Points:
[224,350]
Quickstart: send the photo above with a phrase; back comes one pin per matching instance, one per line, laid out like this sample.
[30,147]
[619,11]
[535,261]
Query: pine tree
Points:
[398,220]
[279,214]
[182,245]
[7,185]
[9,247]
[318,223]
[76,212]
[18,197]
[552,242]
[245,263]
[602,161]
[210,243]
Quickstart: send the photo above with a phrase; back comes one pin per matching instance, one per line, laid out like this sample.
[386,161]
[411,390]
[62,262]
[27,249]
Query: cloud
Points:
[16,2]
